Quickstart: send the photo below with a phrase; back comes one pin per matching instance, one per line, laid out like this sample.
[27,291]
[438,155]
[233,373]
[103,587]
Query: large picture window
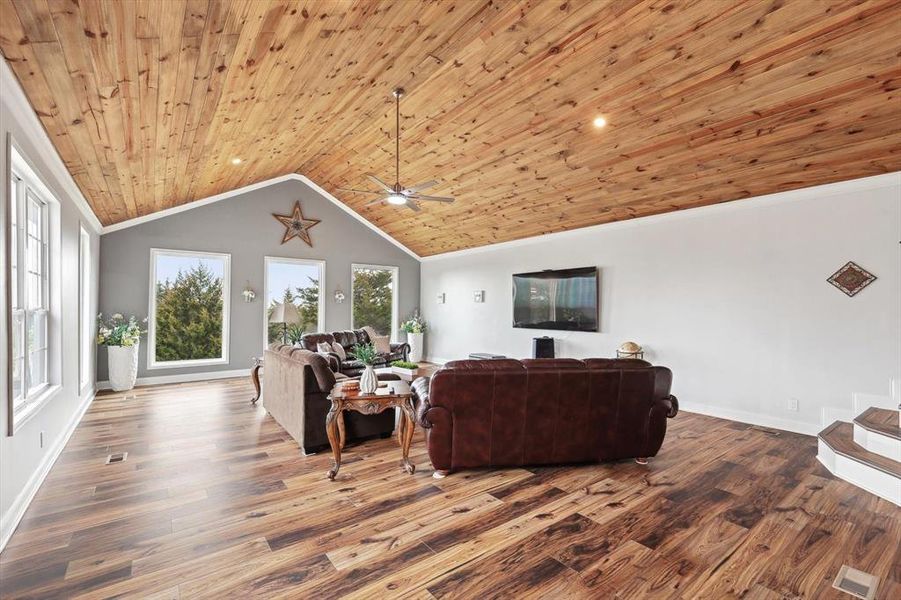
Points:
[29,290]
[189,307]
[374,294]
[299,282]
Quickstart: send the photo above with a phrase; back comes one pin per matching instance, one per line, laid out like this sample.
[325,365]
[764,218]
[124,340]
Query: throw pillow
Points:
[372,333]
[381,343]
[323,347]
[339,350]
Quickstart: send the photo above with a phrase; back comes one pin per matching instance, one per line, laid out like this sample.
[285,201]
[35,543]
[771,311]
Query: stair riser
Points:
[877,443]
[863,476]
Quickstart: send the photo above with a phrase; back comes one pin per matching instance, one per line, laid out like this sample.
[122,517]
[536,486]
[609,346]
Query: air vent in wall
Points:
[857,583]
[116,458]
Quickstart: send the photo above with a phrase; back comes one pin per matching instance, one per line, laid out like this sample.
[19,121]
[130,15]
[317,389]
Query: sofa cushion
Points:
[382,344]
[339,350]
[310,341]
[324,347]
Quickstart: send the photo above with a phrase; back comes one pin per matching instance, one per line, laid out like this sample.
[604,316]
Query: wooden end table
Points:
[389,395]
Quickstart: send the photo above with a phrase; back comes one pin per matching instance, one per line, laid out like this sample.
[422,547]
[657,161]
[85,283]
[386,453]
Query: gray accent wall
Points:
[244,227]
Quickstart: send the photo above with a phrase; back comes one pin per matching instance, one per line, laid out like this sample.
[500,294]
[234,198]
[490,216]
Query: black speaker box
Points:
[543,347]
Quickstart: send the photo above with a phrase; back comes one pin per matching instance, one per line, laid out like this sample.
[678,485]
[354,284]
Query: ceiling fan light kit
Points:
[396,194]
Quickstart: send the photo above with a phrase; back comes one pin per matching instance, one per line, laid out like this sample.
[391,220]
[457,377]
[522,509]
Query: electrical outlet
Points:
[793,404]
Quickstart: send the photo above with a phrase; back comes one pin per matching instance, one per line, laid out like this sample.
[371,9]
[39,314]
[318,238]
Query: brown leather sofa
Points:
[348,339]
[296,385]
[493,413]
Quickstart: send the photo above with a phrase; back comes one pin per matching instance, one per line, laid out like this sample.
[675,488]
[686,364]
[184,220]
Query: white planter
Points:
[415,341]
[122,362]
[369,383]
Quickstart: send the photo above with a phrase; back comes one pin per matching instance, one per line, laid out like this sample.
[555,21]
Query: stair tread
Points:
[840,437]
[880,420]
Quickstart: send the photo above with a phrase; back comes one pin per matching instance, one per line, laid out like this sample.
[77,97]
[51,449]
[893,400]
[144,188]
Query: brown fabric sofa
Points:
[296,385]
[543,411]
[348,339]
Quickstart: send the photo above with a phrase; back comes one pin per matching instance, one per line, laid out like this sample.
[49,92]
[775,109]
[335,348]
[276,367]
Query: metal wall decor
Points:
[851,278]
[296,225]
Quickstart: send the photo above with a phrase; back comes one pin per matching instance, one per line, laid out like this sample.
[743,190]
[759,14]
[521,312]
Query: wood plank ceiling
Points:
[148,102]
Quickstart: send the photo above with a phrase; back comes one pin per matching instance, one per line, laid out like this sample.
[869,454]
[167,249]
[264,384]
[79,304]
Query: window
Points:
[374,294]
[85,314]
[299,282]
[189,308]
[30,205]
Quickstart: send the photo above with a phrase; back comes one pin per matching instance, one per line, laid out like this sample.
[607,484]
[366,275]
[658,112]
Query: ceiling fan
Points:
[397,194]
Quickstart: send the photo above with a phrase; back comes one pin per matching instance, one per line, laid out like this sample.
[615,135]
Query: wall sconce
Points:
[248,293]
[478,296]
[339,296]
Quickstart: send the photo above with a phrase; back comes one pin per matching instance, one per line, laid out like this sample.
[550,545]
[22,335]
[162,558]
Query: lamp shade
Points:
[284,313]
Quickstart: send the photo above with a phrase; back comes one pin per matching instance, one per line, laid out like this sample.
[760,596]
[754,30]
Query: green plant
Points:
[402,364]
[366,354]
[372,297]
[295,332]
[119,331]
[415,324]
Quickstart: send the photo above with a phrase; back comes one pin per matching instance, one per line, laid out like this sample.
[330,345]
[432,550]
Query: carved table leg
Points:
[409,430]
[255,377]
[331,428]
[341,434]
[401,428]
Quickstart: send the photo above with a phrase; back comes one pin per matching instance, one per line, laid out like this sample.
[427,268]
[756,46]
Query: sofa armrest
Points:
[672,404]
[420,389]
[402,347]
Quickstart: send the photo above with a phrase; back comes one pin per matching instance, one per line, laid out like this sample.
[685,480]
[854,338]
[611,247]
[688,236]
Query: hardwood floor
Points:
[216,501]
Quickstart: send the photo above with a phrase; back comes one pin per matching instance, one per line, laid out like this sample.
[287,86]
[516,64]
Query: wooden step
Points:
[880,420]
[840,438]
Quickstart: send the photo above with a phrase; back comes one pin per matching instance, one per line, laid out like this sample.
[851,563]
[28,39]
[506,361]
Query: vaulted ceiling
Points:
[707,101]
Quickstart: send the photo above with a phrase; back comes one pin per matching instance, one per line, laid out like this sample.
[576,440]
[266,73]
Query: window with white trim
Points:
[86,315]
[189,308]
[29,238]
[373,291]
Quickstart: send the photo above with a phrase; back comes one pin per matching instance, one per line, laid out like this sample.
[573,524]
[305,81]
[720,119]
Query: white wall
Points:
[733,298]
[23,460]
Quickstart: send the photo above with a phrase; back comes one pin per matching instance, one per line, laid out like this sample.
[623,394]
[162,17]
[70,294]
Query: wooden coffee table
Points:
[390,394]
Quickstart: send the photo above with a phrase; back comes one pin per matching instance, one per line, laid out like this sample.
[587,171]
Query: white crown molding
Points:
[25,117]
[829,189]
[249,188]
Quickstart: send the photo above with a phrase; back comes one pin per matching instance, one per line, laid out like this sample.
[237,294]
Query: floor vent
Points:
[116,458]
[765,430]
[857,583]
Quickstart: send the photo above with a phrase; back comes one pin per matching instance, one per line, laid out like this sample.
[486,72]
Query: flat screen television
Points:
[564,299]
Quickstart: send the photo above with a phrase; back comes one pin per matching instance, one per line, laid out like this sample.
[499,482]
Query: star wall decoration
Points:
[296,225]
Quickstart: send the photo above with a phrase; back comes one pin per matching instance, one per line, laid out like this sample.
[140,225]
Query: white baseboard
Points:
[16,511]
[832,414]
[183,378]
[437,360]
[753,418]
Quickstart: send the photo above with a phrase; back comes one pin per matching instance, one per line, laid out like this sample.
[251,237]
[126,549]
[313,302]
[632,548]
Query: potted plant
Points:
[415,327]
[405,369]
[122,338]
[366,354]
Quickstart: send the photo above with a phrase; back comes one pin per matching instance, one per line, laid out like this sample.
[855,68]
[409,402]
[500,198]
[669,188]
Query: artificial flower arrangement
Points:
[415,324]
[119,331]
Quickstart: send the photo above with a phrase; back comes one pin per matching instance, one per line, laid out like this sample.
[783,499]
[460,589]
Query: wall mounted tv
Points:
[563,299]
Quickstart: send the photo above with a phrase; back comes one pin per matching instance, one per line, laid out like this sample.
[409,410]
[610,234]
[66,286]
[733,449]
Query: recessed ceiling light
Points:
[599,122]
[236,161]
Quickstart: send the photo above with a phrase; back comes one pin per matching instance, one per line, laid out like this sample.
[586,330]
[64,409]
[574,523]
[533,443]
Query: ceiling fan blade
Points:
[420,186]
[374,202]
[379,182]
[359,191]
[433,198]
[412,205]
